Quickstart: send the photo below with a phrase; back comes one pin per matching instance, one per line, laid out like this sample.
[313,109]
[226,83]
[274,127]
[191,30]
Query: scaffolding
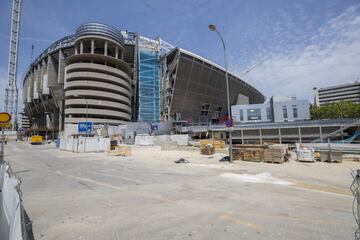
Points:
[149,80]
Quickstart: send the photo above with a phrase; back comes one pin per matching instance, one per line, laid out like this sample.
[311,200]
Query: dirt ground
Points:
[148,196]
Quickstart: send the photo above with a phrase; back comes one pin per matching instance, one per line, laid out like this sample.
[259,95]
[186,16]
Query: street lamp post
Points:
[212,27]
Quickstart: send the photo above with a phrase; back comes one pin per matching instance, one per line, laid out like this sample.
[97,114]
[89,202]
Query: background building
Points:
[278,109]
[333,94]
[24,122]
[111,77]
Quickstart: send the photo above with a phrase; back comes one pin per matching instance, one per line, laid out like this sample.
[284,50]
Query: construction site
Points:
[122,136]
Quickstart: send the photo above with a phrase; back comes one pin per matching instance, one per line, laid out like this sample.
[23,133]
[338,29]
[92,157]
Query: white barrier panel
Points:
[181,139]
[10,206]
[144,140]
[84,144]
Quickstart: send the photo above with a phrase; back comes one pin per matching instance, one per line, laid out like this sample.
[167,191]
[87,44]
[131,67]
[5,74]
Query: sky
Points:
[281,47]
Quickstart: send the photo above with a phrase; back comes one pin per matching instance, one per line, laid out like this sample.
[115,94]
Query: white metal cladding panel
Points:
[10,206]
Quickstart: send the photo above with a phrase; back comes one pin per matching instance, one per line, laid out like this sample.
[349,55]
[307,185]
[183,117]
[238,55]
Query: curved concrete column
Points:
[97,84]
[99,104]
[107,87]
[100,77]
[95,120]
[98,112]
[95,94]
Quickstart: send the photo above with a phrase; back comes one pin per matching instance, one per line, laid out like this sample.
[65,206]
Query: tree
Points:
[343,109]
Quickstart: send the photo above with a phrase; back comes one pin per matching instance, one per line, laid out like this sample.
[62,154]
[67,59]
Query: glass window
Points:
[241,113]
[295,111]
[219,110]
[285,115]
[204,109]
[254,114]
[268,113]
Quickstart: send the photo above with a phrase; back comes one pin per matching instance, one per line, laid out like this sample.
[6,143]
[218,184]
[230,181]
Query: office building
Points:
[338,93]
[278,109]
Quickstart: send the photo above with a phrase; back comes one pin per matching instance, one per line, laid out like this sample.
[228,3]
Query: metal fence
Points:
[247,126]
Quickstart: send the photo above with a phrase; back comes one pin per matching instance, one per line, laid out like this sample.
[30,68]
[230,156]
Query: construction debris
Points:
[123,150]
[181,160]
[225,159]
[208,149]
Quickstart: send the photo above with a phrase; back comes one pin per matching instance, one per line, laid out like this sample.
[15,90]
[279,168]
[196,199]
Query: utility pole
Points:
[11,90]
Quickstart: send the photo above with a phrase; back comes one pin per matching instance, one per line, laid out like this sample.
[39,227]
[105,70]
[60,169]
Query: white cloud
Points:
[332,57]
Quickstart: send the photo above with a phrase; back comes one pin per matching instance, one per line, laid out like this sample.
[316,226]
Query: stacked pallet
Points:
[216,143]
[123,150]
[274,155]
[208,150]
[238,154]
[248,154]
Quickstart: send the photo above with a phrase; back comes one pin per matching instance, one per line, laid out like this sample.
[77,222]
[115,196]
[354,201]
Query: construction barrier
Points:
[84,144]
[14,222]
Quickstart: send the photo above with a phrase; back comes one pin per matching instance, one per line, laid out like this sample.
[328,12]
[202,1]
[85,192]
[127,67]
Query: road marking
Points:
[238,221]
[107,185]
[323,189]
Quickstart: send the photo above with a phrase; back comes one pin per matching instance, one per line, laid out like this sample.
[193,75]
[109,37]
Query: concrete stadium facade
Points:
[107,76]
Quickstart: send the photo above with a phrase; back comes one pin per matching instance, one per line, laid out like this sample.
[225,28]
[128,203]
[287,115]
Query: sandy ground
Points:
[148,196]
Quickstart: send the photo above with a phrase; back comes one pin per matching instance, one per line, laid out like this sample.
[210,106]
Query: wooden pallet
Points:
[216,143]
[245,146]
[274,155]
[248,154]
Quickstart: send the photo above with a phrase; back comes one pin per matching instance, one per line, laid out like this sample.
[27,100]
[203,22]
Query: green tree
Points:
[343,109]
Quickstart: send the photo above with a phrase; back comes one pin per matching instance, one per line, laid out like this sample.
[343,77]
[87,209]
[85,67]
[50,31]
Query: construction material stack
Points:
[249,152]
[218,144]
[208,149]
[304,154]
[276,153]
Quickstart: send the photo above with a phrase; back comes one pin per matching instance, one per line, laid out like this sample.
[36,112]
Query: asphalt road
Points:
[147,196]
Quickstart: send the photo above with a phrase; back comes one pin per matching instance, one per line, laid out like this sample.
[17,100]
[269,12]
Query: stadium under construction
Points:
[111,77]
[107,76]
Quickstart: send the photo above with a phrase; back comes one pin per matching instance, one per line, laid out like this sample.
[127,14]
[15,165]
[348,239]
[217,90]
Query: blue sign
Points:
[85,127]
[229,123]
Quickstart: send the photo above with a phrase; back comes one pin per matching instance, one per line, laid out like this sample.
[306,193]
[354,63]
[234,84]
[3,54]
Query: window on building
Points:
[254,114]
[204,109]
[217,112]
[241,114]
[219,109]
[268,113]
[285,115]
[295,111]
